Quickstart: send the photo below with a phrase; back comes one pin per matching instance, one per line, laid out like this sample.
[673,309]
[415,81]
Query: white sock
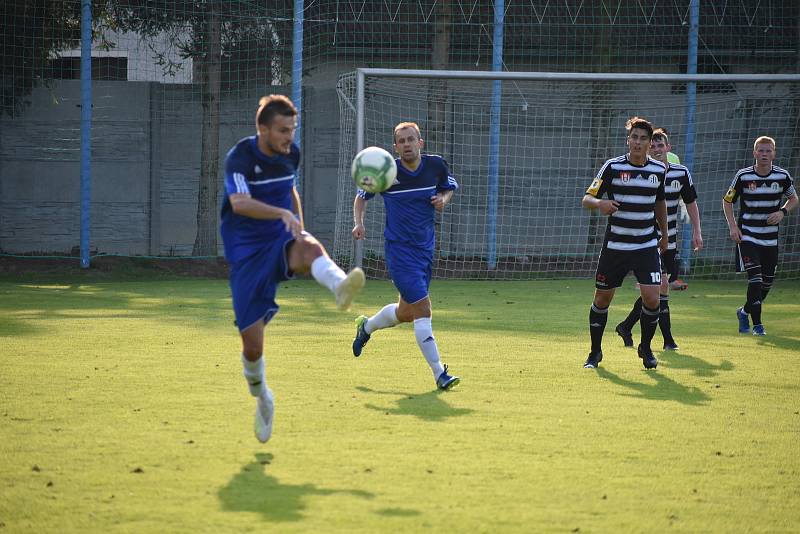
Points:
[424,334]
[255,376]
[385,318]
[326,272]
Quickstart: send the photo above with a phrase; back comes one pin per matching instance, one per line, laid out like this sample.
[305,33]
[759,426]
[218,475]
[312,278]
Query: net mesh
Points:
[554,136]
[175,84]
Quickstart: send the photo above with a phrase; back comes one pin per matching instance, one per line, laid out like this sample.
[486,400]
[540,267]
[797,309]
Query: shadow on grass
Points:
[780,342]
[700,367]
[664,388]
[253,490]
[428,406]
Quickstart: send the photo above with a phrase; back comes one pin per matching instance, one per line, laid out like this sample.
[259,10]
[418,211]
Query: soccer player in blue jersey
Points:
[265,241]
[423,186]
[678,186]
[634,184]
[761,188]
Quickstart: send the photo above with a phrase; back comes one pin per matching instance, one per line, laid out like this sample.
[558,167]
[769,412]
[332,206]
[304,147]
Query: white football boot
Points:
[348,288]
[265,413]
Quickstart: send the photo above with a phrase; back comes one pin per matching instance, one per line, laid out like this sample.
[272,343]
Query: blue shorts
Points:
[254,282]
[410,269]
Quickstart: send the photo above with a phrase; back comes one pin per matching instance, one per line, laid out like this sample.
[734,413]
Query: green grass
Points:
[123,409]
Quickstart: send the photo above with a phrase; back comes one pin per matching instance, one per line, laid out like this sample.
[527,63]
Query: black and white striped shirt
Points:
[678,184]
[760,196]
[636,188]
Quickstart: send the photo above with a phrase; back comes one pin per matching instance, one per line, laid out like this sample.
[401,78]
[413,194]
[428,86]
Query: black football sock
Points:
[664,321]
[648,321]
[597,324]
[633,317]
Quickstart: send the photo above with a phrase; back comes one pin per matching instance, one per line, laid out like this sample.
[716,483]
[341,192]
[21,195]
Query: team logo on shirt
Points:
[775,186]
[653,179]
[625,176]
[257,170]
[675,184]
[751,186]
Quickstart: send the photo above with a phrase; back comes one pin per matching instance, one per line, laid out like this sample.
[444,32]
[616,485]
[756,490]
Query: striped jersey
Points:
[268,179]
[760,196]
[678,184]
[636,188]
[410,215]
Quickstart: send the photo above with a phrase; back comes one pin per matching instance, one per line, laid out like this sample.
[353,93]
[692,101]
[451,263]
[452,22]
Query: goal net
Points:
[525,148]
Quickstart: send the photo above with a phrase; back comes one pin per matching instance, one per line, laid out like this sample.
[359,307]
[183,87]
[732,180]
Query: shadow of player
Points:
[428,406]
[663,389]
[700,367]
[253,490]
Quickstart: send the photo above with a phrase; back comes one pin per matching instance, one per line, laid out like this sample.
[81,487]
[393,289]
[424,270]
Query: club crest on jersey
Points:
[625,176]
[751,186]
[675,184]
[257,170]
[775,186]
[653,179]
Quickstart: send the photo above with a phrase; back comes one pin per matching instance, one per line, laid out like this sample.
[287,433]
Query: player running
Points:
[424,185]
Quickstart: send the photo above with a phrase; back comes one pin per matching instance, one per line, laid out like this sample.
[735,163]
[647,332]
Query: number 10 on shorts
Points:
[655,277]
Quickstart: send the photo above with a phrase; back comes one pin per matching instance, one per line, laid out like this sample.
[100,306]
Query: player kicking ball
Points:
[265,241]
[423,186]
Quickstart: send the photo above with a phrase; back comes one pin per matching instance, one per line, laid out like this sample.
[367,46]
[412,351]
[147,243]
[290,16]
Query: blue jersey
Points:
[267,179]
[409,212]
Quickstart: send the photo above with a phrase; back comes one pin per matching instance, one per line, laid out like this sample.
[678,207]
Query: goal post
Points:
[525,145]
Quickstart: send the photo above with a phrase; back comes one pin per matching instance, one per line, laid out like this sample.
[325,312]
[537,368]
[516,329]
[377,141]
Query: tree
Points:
[205,31]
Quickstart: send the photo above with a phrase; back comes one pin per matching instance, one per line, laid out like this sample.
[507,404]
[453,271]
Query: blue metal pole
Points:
[86,129]
[297,67]
[494,134]
[691,108]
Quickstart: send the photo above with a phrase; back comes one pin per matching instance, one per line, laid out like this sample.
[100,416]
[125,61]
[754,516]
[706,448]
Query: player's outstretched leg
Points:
[348,288]
[385,318]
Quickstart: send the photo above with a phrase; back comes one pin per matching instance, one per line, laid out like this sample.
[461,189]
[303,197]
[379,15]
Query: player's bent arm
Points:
[246,206]
[590,203]
[297,207]
[694,217]
[359,208]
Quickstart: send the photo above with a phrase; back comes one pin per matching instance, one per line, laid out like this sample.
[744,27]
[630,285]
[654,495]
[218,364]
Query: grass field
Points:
[123,409]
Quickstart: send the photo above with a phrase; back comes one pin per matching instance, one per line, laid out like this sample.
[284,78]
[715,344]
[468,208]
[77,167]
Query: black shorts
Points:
[614,265]
[749,255]
[669,263]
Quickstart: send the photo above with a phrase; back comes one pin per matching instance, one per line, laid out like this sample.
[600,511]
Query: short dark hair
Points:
[660,134]
[642,124]
[269,106]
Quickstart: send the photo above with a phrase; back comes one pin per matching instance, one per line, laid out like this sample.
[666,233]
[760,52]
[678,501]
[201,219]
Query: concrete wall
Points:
[145,166]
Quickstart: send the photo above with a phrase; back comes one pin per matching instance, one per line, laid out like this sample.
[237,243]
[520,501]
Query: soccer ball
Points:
[374,170]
